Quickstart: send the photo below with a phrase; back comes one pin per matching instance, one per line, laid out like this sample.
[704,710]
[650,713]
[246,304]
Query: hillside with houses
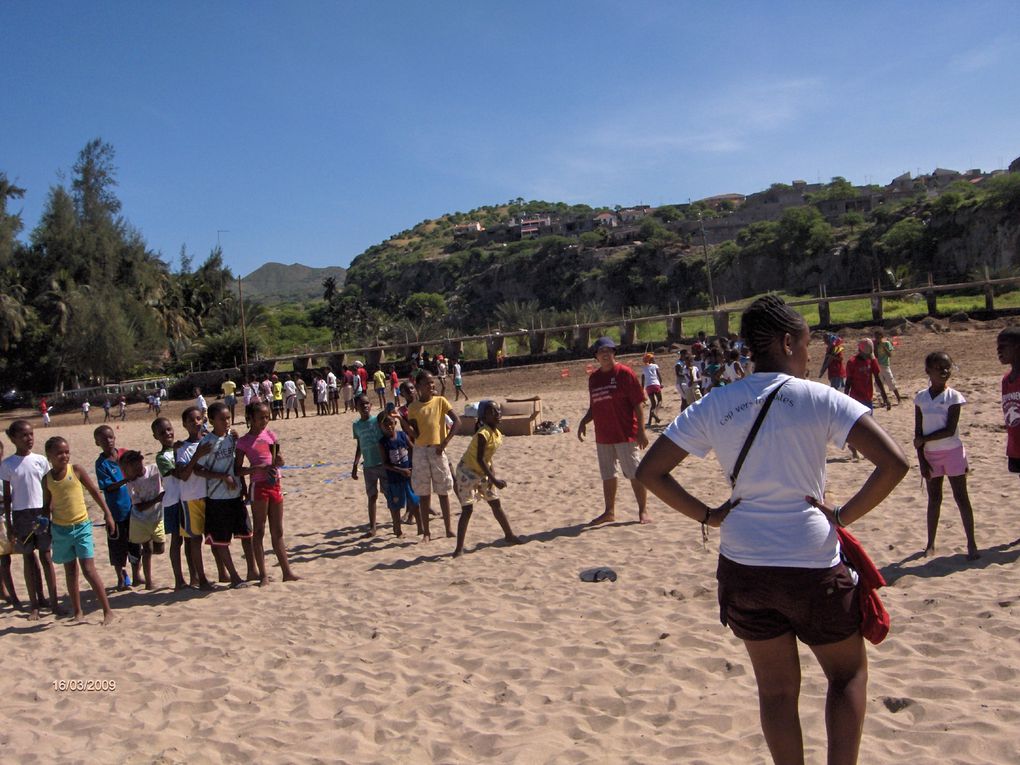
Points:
[557,262]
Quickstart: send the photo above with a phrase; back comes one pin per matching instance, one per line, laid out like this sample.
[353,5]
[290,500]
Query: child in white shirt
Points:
[940,451]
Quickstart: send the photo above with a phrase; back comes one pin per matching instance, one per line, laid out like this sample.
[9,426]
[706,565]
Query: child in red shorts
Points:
[262,449]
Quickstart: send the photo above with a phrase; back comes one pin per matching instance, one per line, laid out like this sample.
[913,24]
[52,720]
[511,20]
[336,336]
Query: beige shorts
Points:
[431,472]
[628,455]
[472,488]
[886,376]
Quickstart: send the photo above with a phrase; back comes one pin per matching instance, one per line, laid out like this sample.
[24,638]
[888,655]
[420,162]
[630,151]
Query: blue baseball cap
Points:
[603,342]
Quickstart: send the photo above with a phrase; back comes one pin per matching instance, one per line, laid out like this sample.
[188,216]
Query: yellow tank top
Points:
[68,499]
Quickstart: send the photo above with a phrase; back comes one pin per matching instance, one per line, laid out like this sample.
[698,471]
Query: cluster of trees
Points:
[86,301]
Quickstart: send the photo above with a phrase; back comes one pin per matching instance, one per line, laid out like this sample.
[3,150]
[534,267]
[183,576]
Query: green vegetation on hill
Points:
[86,301]
[556,280]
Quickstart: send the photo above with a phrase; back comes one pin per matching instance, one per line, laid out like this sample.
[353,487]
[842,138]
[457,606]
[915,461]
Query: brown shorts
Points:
[819,605]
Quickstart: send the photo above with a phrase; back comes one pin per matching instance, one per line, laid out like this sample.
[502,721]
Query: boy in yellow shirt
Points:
[431,470]
[476,479]
[70,527]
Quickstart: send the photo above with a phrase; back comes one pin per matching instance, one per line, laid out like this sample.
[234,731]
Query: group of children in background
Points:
[195,492]
[705,365]
[411,463]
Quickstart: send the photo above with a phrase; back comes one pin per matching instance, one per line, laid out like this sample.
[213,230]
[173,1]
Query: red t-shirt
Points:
[1011,413]
[859,378]
[363,374]
[613,397]
[836,366]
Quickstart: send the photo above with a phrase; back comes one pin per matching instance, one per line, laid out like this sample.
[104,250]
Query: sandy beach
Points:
[390,651]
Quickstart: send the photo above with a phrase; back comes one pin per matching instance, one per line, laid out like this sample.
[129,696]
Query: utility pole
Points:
[244,329]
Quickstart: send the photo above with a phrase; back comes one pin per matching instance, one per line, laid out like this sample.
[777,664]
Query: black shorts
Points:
[121,549]
[226,519]
[1014,464]
[28,534]
[819,605]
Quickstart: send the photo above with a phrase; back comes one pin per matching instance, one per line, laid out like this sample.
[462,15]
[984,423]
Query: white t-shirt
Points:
[194,487]
[331,380]
[25,475]
[651,373]
[145,489]
[935,415]
[289,388]
[773,525]
[200,403]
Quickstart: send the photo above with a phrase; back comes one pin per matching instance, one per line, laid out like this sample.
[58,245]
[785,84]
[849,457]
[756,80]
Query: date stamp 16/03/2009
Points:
[85,685]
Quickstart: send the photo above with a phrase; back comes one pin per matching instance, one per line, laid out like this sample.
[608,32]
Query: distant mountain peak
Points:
[278,283]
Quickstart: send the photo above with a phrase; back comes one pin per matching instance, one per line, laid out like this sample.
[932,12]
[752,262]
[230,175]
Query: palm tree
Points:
[328,288]
[517,314]
[15,317]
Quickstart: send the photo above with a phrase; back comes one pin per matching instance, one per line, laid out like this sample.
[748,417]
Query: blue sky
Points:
[308,131]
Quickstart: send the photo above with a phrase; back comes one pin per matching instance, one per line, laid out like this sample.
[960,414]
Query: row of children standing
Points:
[194,493]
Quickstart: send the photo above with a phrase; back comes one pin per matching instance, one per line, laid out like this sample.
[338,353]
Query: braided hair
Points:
[766,319]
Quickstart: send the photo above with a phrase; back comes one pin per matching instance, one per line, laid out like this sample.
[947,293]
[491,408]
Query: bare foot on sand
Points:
[606,517]
[644,517]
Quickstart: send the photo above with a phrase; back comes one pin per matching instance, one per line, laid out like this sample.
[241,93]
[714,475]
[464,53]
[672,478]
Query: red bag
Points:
[875,620]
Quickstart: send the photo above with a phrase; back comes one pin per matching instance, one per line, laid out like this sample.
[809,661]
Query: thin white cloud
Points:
[981,57]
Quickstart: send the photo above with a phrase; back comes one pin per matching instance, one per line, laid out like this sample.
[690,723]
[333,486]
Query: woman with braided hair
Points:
[780,575]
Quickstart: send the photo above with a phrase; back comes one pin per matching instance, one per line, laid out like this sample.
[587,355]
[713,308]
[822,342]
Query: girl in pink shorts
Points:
[940,451]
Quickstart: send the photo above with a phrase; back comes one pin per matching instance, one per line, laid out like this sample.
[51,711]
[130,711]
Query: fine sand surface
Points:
[389,651]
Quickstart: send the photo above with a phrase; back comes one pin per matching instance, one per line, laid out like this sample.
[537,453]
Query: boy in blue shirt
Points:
[367,436]
[113,484]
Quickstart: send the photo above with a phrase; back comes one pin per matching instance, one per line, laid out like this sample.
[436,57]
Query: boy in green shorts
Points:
[71,528]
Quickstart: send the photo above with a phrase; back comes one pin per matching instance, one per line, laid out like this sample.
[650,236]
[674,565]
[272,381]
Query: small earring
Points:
[789,352]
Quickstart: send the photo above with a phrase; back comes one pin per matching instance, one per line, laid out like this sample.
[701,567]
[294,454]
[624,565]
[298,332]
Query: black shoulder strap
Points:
[754,432]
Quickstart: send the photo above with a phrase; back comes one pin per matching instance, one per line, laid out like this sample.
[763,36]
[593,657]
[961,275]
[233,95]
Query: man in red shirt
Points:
[617,408]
